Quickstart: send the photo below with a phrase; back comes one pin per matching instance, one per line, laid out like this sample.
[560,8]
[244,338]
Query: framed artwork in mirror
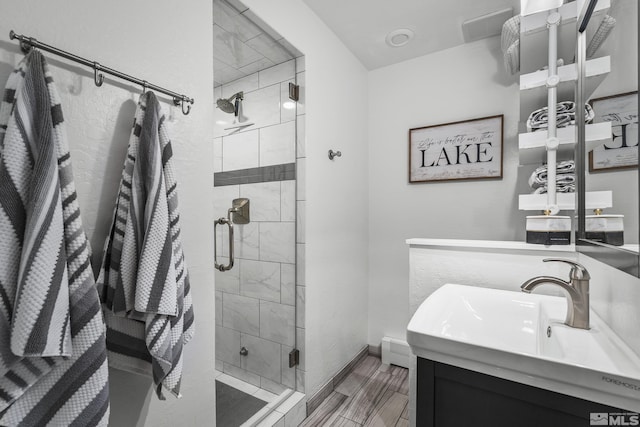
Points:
[621,152]
[469,149]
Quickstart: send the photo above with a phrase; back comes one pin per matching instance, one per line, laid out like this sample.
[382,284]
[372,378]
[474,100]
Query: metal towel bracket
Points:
[27,43]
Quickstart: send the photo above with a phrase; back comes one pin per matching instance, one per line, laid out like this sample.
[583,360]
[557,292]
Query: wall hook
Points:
[333,154]
[144,86]
[188,110]
[98,79]
[25,47]
[181,102]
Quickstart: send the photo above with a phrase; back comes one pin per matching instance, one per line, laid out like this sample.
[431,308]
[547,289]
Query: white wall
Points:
[497,267]
[336,191]
[461,83]
[155,41]
[614,296]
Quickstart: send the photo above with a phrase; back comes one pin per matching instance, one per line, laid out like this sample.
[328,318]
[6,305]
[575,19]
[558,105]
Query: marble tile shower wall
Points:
[256,300]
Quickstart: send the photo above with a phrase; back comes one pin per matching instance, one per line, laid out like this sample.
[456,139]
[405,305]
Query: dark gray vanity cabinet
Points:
[449,396]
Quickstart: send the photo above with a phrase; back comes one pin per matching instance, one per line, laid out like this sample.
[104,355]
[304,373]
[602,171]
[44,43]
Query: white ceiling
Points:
[362,25]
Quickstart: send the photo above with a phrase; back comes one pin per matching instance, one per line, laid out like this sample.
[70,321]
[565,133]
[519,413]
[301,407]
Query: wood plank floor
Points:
[372,395]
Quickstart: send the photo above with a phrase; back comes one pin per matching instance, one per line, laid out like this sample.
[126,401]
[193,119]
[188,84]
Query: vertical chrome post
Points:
[580,149]
[553,20]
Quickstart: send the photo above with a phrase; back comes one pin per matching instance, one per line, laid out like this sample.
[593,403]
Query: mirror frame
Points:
[622,259]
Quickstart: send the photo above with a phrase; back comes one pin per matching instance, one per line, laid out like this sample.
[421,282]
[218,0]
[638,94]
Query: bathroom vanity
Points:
[449,396]
[493,357]
[485,353]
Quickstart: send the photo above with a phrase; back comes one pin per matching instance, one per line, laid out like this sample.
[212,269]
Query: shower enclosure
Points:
[258,165]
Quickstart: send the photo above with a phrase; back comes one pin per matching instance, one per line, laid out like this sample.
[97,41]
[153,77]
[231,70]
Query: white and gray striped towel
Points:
[601,34]
[143,281]
[510,41]
[53,368]
[565,178]
[565,116]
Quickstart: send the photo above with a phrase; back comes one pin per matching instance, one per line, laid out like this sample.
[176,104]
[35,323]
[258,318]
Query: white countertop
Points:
[488,244]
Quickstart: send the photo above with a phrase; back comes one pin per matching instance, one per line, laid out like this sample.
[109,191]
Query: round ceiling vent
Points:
[399,37]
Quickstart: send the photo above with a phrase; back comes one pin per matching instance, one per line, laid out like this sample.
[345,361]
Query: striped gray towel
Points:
[143,281]
[53,368]
[565,178]
[601,34]
[510,43]
[565,116]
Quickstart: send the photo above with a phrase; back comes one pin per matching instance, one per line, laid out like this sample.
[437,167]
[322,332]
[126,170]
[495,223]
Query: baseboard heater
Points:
[395,352]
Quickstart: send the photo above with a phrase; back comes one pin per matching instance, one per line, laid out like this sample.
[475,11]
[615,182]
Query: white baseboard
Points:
[395,352]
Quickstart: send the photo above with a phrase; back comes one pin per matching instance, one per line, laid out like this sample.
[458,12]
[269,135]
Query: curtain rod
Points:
[27,42]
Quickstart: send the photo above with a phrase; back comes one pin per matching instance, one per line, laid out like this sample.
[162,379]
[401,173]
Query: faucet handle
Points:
[578,272]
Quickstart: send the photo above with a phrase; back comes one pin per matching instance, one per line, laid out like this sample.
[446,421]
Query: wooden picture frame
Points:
[468,149]
[621,152]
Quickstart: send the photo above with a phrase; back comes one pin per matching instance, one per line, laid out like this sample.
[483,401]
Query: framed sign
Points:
[470,149]
[621,152]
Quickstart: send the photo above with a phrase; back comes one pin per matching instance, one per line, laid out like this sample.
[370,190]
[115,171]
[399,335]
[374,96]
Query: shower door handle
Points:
[238,214]
[222,221]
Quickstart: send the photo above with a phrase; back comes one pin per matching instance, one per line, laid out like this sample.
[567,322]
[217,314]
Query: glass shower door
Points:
[255,158]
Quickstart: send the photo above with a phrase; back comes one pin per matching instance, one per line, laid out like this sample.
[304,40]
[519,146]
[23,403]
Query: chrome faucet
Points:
[577,289]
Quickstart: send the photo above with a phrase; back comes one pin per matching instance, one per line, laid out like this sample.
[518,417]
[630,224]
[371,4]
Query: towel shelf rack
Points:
[27,42]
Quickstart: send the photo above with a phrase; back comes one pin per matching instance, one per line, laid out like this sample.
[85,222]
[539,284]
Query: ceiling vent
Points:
[398,38]
[485,26]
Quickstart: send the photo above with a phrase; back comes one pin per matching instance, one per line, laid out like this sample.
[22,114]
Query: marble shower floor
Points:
[245,387]
[288,408]
[234,407]
[372,394]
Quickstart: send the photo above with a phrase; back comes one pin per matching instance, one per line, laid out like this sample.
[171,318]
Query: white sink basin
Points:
[504,333]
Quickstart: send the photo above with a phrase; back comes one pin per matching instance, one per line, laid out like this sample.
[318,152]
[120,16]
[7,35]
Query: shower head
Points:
[227,106]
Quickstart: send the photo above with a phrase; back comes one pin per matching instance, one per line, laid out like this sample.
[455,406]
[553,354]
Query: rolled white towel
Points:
[565,173]
[566,184]
[565,116]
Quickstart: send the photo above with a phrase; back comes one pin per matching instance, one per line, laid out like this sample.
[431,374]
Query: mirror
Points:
[613,165]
